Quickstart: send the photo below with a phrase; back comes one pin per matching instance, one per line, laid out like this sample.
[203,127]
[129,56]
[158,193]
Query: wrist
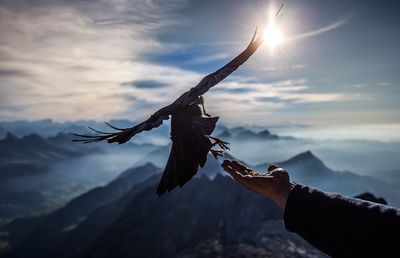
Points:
[283,195]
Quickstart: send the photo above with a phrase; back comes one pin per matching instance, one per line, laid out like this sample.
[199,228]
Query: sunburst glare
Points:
[272,35]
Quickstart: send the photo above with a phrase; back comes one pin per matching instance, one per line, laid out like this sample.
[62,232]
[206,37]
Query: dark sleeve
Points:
[342,226]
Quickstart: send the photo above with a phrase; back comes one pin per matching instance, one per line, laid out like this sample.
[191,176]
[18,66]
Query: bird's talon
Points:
[221,144]
[216,153]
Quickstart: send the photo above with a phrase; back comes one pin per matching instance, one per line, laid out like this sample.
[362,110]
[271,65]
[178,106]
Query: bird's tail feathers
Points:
[121,136]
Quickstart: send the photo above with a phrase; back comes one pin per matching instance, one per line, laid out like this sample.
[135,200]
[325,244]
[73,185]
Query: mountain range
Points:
[38,234]
[44,184]
[211,216]
[306,168]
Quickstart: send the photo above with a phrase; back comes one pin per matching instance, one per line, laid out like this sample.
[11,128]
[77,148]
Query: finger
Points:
[230,164]
[245,180]
[240,169]
[230,170]
[226,162]
[236,175]
[241,166]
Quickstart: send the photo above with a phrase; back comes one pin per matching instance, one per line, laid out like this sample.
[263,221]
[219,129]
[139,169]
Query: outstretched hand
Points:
[275,184]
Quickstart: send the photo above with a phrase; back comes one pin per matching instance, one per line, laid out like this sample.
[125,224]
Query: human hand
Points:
[275,184]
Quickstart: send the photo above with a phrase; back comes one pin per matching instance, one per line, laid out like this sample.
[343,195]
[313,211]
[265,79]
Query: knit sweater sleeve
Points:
[341,226]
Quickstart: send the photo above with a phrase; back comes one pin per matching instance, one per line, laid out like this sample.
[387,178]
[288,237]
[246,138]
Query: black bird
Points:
[191,126]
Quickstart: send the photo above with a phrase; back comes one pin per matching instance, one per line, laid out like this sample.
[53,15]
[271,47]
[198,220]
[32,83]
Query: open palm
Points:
[275,184]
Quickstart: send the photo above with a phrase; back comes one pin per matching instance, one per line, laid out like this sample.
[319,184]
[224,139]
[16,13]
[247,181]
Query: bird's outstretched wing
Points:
[123,135]
[214,78]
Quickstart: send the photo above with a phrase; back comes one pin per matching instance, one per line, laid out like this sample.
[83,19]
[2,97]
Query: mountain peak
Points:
[148,166]
[307,155]
[142,171]
[33,137]
[265,132]
[308,164]
[10,137]
[367,196]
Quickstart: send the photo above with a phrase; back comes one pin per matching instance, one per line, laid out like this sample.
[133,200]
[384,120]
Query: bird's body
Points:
[191,127]
[190,130]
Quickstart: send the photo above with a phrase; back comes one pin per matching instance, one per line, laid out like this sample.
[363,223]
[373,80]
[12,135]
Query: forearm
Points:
[342,226]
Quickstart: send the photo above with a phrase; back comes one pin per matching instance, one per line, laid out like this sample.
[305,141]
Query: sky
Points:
[70,60]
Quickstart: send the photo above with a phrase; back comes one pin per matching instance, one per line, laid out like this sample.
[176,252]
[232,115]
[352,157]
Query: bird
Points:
[191,126]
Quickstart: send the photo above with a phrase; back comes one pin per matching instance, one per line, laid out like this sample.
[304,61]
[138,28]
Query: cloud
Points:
[237,90]
[360,85]
[312,33]
[260,99]
[145,84]
[12,72]
[284,67]
[210,58]
[67,59]
[269,99]
[316,97]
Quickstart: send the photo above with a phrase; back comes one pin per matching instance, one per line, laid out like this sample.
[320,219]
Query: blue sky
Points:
[102,60]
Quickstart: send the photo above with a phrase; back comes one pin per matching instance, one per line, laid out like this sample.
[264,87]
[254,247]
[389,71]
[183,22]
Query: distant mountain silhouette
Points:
[54,226]
[225,134]
[31,148]
[370,197]
[206,218]
[45,127]
[241,132]
[308,165]
[21,158]
[98,221]
[3,132]
[212,168]
[306,168]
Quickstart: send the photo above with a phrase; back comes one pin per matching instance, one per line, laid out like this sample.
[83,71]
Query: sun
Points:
[272,35]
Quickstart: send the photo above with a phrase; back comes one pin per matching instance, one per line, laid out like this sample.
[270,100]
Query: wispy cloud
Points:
[312,33]
[258,98]
[76,59]
[207,59]
[145,84]
[360,85]
[284,67]
[67,59]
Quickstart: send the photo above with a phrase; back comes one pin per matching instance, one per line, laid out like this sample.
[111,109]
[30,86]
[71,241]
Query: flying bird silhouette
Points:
[191,126]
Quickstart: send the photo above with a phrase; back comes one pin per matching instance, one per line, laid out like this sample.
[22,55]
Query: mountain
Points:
[98,221]
[56,225]
[31,149]
[23,160]
[241,132]
[37,173]
[205,218]
[307,165]
[307,169]
[3,132]
[371,198]
[45,127]
[211,216]
[49,128]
